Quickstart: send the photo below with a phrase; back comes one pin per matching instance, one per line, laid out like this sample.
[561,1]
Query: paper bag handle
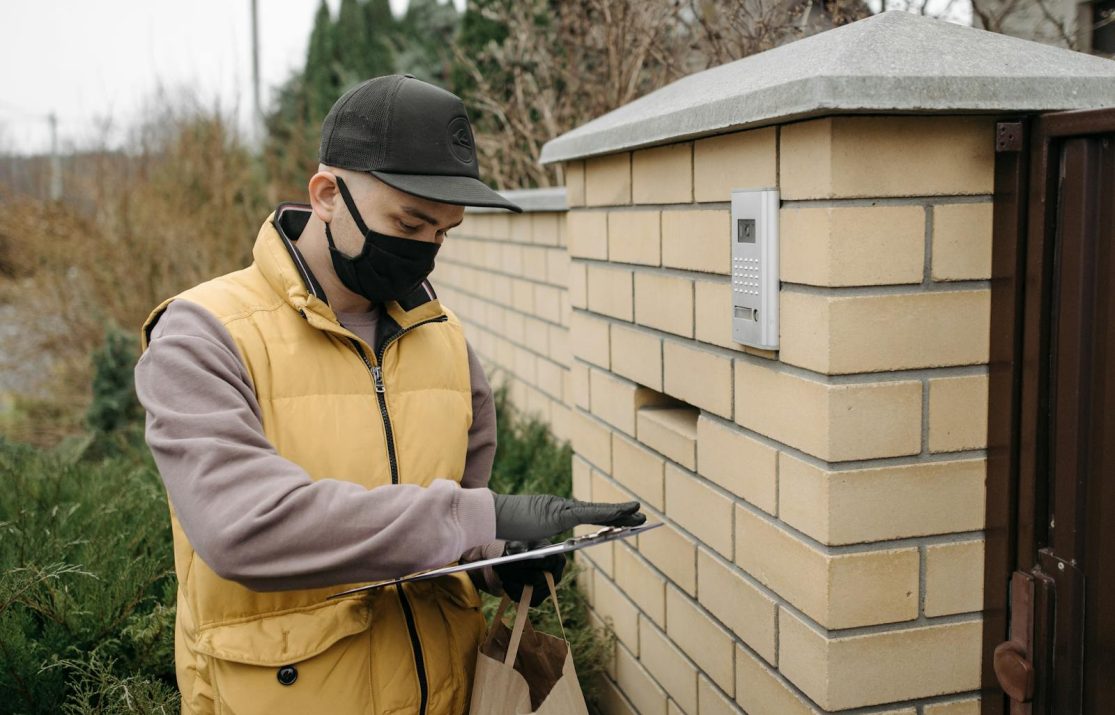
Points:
[517,631]
[553,596]
[496,618]
[521,617]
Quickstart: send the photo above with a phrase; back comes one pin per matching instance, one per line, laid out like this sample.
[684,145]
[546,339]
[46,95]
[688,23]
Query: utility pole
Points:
[55,160]
[257,110]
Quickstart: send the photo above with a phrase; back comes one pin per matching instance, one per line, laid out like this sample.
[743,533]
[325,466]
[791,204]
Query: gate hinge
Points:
[1008,136]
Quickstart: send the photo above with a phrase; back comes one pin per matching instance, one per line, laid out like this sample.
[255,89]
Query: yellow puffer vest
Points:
[392,650]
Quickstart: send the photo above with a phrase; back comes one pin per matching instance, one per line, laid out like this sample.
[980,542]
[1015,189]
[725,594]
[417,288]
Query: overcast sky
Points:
[86,59]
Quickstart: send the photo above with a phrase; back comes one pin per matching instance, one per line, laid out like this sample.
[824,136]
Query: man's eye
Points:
[408,227]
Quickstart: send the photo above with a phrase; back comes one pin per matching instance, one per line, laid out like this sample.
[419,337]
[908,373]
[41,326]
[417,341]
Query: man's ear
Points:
[323,195]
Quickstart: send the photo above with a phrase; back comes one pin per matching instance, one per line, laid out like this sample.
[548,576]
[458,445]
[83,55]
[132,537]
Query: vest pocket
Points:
[294,662]
[333,681]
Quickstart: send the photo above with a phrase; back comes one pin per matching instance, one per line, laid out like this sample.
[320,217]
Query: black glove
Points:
[529,517]
[515,574]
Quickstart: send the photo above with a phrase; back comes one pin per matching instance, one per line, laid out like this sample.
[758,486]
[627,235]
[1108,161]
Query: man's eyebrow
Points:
[428,219]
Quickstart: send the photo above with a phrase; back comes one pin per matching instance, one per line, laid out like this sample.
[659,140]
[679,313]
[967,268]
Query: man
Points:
[320,421]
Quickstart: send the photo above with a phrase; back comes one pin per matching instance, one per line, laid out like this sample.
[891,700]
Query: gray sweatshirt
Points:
[258,518]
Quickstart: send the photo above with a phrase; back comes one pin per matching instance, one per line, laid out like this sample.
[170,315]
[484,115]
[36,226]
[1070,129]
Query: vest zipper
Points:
[381,395]
[381,390]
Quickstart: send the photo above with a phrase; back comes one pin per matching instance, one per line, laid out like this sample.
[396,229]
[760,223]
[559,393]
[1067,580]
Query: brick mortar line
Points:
[920,288]
[633,311]
[504,306]
[918,200]
[513,276]
[827,549]
[925,418]
[842,466]
[693,323]
[829,634]
[661,363]
[923,568]
[853,378]
[486,329]
[916,289]
[927,248]
[837,202]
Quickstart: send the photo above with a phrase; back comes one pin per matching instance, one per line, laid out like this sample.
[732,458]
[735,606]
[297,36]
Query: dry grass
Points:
[182,206]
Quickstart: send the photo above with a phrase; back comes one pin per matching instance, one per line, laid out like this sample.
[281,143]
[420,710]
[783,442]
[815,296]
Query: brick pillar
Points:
[823,502]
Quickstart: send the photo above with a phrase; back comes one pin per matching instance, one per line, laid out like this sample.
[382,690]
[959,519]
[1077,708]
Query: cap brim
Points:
[463,190]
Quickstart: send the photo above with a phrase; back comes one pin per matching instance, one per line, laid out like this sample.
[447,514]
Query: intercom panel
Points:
[754,236]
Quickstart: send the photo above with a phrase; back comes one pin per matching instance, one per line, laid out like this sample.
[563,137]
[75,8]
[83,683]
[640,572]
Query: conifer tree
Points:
[322,81]
[425,34]
[351,43]
[382,30]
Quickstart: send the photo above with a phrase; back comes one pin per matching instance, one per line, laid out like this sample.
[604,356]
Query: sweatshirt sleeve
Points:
[258,518]
[478,469]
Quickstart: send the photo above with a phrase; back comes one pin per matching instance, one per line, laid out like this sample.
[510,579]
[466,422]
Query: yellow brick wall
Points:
[823,503]
[507,277]
[823,545]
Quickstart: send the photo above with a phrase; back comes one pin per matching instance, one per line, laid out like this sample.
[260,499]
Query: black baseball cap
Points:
[411,135]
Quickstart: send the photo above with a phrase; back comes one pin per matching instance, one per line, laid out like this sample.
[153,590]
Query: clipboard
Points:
[608,533]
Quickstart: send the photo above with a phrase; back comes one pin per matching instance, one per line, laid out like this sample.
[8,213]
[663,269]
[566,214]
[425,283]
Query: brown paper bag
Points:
[521,671]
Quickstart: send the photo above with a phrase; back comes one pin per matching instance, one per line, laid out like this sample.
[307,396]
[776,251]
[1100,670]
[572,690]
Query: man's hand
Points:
[530,517]
[516,574]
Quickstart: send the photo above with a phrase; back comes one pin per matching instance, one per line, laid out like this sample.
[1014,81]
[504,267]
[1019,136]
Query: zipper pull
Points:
[377,376]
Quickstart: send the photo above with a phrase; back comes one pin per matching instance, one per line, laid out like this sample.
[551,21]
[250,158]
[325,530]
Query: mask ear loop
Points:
[347,198]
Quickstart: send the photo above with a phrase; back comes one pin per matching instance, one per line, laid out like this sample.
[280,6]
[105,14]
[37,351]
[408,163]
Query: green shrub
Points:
[114,404]
[115,418]
[529,460]
[86,584]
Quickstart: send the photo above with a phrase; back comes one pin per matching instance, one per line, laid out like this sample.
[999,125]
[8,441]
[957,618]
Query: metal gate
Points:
[1049,587]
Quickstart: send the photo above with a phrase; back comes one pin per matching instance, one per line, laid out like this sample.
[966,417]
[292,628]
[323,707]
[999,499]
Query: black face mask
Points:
[388,267]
